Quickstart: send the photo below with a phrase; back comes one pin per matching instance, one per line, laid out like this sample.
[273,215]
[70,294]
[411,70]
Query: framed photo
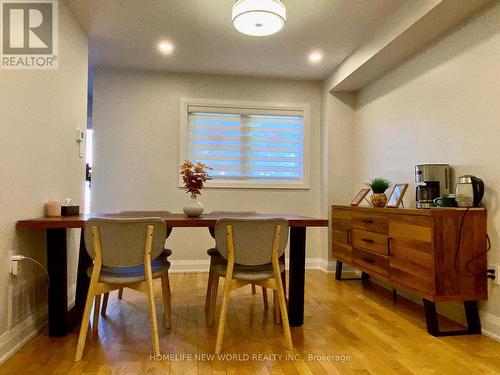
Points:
[360,196]
[397,195]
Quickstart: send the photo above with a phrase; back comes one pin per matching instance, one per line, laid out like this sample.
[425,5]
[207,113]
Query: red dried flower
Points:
[194,176]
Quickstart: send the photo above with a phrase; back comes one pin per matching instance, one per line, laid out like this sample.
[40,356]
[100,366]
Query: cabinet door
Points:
[341,234]
[411,252]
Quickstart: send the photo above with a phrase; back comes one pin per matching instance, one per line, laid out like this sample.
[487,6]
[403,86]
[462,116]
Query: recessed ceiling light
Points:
[259,17]
[165,47]
[315,57]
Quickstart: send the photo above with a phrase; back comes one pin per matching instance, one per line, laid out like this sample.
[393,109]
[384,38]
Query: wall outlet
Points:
[14,263]
[14,267]
[496,267]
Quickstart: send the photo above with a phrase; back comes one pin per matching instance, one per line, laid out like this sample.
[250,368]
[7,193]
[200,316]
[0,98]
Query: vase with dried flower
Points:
[379,185]
[194,176]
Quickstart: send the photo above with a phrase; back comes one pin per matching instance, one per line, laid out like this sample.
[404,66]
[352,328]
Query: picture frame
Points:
[360,196]
[397,195]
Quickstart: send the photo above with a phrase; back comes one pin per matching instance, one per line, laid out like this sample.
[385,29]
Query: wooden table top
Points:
[171,219]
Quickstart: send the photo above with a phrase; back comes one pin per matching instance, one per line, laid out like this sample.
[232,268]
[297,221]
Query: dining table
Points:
[62,319]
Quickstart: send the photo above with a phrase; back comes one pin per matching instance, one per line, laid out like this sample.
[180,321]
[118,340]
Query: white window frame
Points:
[183,139]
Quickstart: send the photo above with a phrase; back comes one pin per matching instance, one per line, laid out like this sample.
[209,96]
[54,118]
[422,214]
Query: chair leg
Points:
[152,314]
[209,290]
[97,305]
[284,312]
[223,314]
[254,291]
[277,317]
[104,303]
[165,290]
[84,328]
[264,298]
[120,293]
[213,300]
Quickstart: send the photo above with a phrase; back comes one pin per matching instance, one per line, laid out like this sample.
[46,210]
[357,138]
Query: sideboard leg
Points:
[338,270]
[431,317]
[471,313]
[338,274]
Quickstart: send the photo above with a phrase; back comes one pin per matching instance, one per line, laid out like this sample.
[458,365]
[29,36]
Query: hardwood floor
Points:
[373,334]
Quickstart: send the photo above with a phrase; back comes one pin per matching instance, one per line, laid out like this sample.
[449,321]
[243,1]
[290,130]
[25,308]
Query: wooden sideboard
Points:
[417,250]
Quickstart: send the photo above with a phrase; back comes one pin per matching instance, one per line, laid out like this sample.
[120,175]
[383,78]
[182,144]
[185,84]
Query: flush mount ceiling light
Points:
[165,47]
[315,57]
[259,17]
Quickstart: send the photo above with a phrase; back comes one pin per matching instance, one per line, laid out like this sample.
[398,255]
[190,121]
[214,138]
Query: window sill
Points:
[254,185]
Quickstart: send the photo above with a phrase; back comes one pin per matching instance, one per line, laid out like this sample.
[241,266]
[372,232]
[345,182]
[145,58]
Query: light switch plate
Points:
[80,135]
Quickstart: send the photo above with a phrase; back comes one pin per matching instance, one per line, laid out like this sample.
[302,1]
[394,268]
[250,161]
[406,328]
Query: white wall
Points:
[136,133]
[440,106]
[40,110]
[337,152]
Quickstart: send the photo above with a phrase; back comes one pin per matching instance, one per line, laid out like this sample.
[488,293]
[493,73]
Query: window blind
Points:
[247,144]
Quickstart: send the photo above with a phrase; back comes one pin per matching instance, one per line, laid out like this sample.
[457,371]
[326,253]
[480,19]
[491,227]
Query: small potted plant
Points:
[379,185]
[194,176]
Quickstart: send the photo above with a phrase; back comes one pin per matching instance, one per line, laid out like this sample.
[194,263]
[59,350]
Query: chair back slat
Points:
[123,239]
[253,239]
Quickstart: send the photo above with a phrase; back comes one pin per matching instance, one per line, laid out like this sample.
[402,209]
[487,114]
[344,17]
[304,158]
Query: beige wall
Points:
[40,110]
[136,132]
[440,106]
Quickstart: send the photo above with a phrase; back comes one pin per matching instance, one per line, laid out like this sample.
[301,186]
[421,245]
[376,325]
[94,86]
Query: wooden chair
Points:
[125,253]
[252,249]
[215,256]
[165,253]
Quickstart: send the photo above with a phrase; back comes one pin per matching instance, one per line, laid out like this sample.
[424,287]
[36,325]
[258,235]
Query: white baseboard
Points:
[321,264]
[12,340]
[190,266]
[490,325]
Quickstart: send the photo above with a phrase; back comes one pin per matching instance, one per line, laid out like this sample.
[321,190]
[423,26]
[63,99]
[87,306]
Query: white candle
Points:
[53,208]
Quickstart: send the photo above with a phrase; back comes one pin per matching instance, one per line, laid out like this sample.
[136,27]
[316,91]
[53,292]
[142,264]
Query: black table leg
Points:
[82,282]
[58,274]
[297,276]
[61,320]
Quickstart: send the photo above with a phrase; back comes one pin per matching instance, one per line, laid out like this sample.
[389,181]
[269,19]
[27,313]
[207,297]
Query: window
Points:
[248,145]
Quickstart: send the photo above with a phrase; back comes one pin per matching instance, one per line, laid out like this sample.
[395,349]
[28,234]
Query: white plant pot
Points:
[194,208]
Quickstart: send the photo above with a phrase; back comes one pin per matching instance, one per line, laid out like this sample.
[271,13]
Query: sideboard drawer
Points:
[371,261]
[370,221]
[372,241]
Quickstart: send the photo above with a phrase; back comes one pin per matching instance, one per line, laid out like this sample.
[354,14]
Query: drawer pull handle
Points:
[389,242]
[367,240]
[368,260]
[367,221]
[349,234]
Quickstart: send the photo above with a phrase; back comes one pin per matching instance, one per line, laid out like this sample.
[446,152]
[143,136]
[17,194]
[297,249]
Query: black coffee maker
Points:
[433,181]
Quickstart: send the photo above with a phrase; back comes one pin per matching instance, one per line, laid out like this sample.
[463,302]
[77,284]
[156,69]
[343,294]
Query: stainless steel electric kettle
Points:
[469,191]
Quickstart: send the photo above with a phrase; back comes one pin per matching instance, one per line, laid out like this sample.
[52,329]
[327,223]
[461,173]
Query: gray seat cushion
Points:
[124,275]
[261,272]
